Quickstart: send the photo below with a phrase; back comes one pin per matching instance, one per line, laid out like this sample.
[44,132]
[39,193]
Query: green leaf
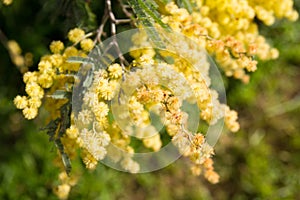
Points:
[81,60]
[187,4]
[51,128]
[91,17]
[148,9]
[65,112]
[60,94]
[65,158]
[57,128]
[165,2]
[147,18]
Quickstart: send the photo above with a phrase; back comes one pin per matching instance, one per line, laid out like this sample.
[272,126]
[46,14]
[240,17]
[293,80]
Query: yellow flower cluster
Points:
[87,44]
[93,129]
[192,145]
[228,31]
[266,11]
[52,73]
[30,104]
[154,86]
[191,62]
[200,152]
[56,73]
[187,78]
[76,35]
[120,100]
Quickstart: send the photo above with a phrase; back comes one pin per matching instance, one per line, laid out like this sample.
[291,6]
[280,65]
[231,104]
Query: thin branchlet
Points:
[110,16]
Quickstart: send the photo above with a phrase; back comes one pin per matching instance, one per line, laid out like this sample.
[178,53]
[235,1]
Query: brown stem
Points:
[124,9]
[114,32]
[101,27]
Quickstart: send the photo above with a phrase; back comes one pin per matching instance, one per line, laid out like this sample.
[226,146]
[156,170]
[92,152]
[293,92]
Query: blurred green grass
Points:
[261,161]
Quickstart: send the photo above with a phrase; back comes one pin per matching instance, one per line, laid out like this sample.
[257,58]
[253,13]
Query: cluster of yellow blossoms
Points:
[187,79]
[54,74]
[92,121]
[191,62]
[120,100]
[228,31]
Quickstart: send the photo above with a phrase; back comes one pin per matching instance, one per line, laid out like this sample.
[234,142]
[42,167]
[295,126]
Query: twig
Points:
[189,136]
[105,17]
[114,32]
[101,27]
[124,9]
[122,21]
[109,15]
[85,36]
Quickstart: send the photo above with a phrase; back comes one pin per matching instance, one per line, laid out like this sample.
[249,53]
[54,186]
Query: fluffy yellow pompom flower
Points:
[76,34]
[70,51]
[212,176]
[115,70]
[89,161]
[30,77]
[62,191]
[56,60]
[34,102]
[14,47]
[72,132]
[45,80]
[56,46]
[87,44]
[101,110]
[34,90]
[20,102]
[30,113]
[45,66]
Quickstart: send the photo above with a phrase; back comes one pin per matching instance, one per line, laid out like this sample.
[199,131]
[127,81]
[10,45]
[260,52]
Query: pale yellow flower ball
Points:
[20,102]
[76,34]
[45,80]
[115,70]
[56,46]
[14,47]
[34,90]
[101,110]
[56,60]
[34,102]
[30,113]
[72,132]
[87,44]
[45,66]
[70,51]
[62,191]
